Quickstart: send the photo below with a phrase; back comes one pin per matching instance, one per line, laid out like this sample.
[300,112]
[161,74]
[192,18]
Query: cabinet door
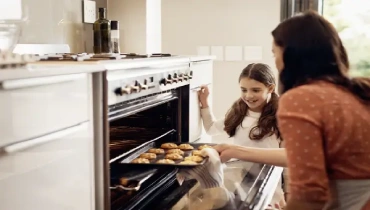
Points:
[36,106]
[53,172]
[202,73]
[195,120]
[196,129]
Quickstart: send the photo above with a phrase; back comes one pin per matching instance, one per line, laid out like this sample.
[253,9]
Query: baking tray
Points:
[127,160]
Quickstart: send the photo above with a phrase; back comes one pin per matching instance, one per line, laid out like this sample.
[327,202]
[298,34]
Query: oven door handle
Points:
[140,108]
[24,83]
[28,143]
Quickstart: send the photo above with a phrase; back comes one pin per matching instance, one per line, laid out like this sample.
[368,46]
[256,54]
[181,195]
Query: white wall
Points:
[140,24]
[187,24]
[58,22]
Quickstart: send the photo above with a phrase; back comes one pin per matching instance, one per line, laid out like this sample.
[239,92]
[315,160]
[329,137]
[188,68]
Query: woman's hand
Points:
[222,147]
[203,94]
[226,151]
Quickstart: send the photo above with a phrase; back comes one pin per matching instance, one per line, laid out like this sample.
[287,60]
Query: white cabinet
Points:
[33,107]
[195,121]
[56,174]
[46,144]
[202,75]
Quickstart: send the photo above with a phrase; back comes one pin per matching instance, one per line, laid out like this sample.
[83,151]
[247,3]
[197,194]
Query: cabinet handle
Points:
[24,144]
[199,88]
[24,83]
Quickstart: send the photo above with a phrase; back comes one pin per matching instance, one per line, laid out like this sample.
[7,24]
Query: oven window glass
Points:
[129,132]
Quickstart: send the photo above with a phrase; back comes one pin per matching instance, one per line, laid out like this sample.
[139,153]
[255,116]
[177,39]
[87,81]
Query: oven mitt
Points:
[209,175]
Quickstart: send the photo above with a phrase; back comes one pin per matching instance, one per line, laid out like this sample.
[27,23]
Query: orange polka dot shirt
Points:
[326,130]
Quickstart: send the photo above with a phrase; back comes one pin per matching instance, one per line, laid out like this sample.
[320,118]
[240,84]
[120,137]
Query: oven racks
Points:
[150,190]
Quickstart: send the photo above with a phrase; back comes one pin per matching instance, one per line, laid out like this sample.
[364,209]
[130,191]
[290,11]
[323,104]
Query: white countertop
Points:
[54,68]
[47,69]
[112,65]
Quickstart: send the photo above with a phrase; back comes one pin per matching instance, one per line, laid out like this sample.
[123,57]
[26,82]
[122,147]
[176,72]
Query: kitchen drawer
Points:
[33,107]
[50,172]
[202,73]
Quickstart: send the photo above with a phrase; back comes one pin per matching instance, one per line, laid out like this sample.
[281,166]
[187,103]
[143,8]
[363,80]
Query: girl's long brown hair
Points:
[267,124]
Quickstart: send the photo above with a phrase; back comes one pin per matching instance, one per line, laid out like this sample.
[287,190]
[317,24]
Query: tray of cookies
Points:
[168,154]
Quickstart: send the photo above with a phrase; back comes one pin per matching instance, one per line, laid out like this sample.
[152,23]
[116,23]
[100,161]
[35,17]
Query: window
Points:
[351,18]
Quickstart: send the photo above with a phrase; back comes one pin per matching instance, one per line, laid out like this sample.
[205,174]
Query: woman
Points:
[251,119]
[323,117]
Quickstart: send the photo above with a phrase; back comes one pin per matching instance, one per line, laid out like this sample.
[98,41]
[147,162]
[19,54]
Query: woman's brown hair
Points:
[267,124]
[313,51]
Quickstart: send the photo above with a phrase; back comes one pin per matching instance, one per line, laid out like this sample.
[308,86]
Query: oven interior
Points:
[162,122]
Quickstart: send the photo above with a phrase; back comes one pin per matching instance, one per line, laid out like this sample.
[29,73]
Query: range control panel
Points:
[145,82]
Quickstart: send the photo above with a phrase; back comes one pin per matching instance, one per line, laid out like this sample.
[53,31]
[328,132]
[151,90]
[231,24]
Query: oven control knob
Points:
[123,90]
[180,78]
[174,78]
[136,87]
[144,85]
[186,77]
[165,81]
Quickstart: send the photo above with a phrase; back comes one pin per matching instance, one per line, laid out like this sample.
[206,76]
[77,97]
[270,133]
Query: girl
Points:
[324,117]
[251,119]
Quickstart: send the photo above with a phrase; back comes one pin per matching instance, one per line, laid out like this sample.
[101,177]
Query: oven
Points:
[145,105]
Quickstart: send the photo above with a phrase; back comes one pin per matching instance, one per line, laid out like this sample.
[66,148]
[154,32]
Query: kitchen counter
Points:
[41,69]
[55,68]
[112,65]
[252,184]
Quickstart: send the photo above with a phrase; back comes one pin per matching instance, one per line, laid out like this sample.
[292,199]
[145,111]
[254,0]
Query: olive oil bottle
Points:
[102,33]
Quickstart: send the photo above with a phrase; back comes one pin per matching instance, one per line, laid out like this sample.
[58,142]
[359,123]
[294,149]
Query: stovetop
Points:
[98,57]
[14,61]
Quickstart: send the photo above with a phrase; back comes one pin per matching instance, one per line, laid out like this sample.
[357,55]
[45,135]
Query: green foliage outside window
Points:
[351,18]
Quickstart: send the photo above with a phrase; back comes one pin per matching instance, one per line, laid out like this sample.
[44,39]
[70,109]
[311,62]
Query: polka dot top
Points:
[326,130]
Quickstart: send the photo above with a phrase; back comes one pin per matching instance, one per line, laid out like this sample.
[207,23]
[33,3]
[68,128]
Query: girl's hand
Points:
[203,94]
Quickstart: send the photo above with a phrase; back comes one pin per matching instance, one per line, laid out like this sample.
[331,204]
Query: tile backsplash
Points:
[58,22]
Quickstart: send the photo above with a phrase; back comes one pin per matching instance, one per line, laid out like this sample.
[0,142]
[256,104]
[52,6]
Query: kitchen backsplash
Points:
[58,22]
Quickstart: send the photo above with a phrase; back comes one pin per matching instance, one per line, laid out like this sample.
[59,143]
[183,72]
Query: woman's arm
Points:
[276,157]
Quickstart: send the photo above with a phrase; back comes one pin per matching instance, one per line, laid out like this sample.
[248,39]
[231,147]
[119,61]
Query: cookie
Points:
[174,156]
[140,160]
[188,162]
[148,155]
[185,147]
[169,146]
[204,146]
[166,161]
[197,153]
[197,159]
[175,151]
[156,151]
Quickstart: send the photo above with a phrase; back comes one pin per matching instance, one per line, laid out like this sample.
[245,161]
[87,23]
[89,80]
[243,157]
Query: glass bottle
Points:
[102,33]
[114,26]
